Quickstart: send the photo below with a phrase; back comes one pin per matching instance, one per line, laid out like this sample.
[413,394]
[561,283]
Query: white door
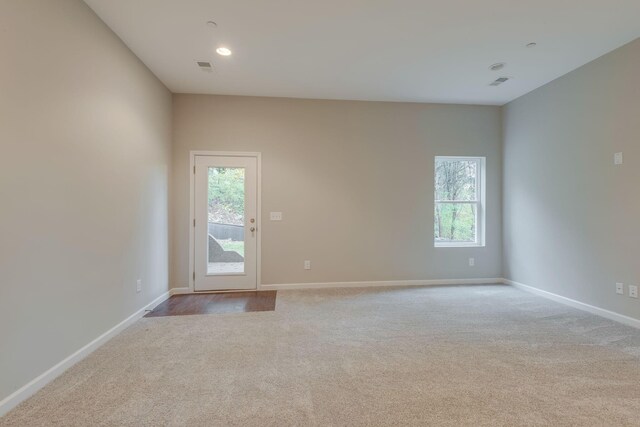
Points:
[226,223]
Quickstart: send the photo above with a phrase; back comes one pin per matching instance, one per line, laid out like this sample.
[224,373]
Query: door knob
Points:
[252,229]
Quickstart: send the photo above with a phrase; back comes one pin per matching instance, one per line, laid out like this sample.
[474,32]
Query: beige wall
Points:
[85,134]
[354,181]
[570,216]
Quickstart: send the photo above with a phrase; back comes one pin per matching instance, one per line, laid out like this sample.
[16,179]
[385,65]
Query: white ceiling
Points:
[387,50]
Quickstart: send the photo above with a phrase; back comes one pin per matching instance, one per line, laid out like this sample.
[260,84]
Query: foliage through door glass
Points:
[226,195]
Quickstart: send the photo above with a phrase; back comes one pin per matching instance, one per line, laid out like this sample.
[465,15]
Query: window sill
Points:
[458,245]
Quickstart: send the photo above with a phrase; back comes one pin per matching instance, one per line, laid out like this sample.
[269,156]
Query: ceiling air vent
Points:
[204,65]
[499,81]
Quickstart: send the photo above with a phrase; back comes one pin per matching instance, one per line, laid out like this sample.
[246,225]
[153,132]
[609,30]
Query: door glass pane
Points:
[226,220]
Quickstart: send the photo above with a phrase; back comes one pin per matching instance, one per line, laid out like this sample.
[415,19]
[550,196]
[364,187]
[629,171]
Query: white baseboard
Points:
[611,315]
[43,379]
[179,291]
[437,282]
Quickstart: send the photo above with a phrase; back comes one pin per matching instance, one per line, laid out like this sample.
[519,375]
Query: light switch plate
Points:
[620,288]
[276,216]
[633,291]
[617,159]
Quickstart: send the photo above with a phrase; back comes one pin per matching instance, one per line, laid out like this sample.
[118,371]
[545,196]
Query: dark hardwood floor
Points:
[230,302]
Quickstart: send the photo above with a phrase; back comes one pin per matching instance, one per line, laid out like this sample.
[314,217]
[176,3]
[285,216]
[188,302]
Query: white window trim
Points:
[479,202]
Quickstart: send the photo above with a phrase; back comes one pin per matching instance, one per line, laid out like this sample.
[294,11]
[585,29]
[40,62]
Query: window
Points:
[459,201]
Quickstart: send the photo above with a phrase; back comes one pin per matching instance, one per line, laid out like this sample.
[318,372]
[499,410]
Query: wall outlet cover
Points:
[138,285]
[307,265]
[472,262]
[633,291]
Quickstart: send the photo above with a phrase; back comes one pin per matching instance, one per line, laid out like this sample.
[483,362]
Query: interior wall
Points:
[354,181]
[570,215]
[85,136]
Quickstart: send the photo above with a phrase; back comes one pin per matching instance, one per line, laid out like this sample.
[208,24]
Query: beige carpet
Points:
[451,356]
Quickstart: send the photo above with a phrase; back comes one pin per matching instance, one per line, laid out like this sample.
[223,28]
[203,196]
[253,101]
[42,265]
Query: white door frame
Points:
[192,218]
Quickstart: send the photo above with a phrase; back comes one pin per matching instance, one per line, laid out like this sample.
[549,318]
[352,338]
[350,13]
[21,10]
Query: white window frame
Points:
[479,202]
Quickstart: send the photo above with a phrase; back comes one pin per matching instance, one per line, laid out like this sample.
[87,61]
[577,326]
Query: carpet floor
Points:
[442,356]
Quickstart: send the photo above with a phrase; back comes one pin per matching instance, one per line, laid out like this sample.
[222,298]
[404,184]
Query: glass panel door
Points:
[225,222]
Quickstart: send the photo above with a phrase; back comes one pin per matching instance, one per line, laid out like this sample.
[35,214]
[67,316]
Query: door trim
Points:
[192,201]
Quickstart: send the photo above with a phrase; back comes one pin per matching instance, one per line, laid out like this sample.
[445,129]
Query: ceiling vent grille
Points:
[204,65]
[499,81]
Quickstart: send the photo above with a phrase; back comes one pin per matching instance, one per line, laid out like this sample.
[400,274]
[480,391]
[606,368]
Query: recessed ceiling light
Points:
[532,44]
[497,67]
[223,51]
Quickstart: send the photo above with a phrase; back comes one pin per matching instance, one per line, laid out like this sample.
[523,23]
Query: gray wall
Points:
[571,218]
[354,181]
[85,135]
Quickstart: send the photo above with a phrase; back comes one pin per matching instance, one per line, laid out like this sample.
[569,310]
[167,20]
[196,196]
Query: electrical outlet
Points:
[139,285]
[472,262]
[307,265]
[275,216]
[633,291]
[620,288]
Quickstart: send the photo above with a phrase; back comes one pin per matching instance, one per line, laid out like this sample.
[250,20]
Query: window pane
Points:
[226,220]
[456,180]
[455,222]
